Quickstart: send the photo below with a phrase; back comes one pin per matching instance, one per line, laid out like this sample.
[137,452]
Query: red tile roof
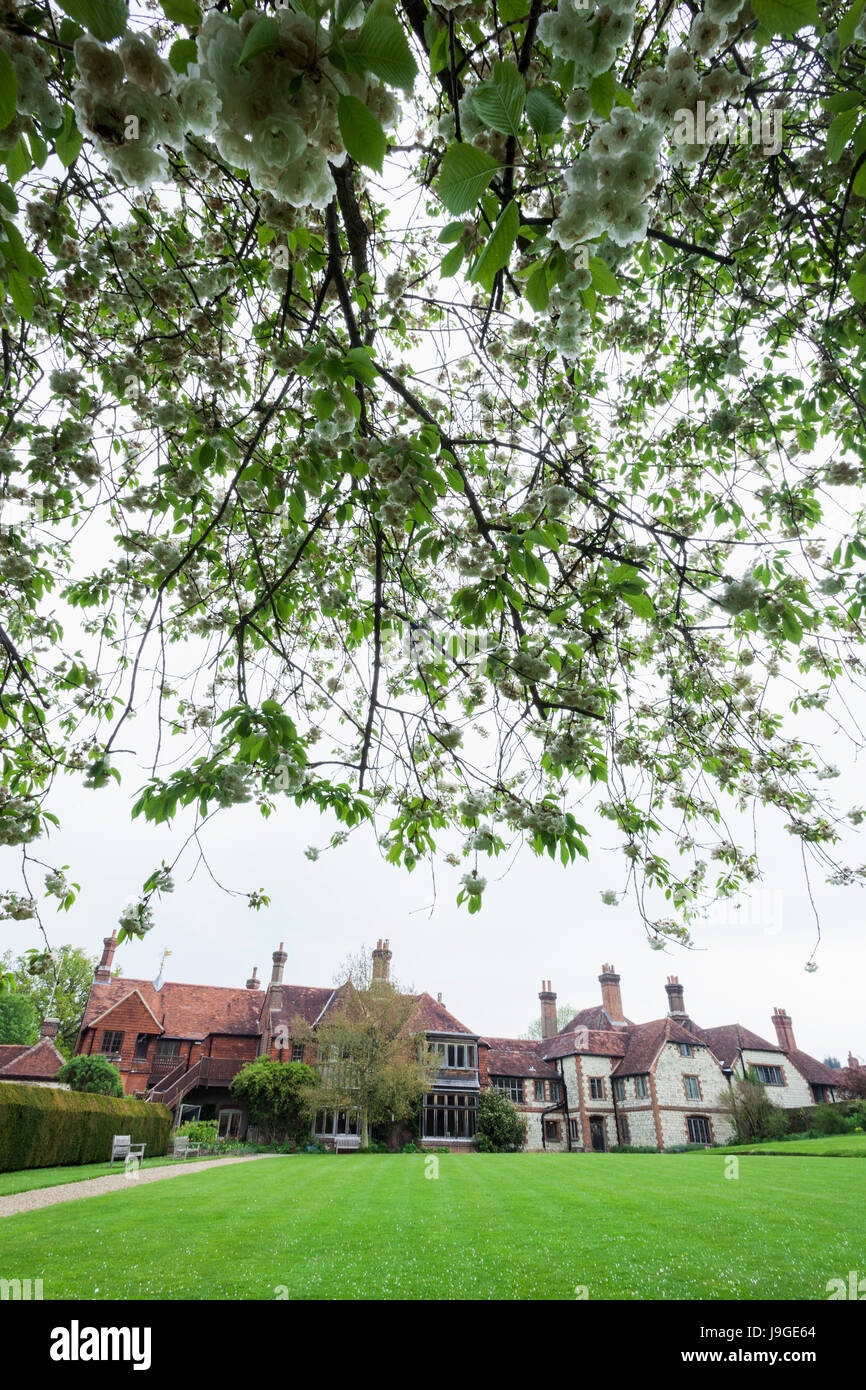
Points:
[429,1016]
[729,1039]
[301,1001]
[597,1017]
[41,1062]
[813,1070]
[183,1011]
[9,1051]
[591,1042]
[644,1042]
[517,1057]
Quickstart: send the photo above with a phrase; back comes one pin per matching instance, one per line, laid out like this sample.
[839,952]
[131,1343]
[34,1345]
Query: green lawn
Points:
[490,1226]
[830,1146]
[26,1179]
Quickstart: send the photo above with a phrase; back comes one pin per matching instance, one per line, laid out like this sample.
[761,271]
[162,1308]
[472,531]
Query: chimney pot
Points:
[49,1028]
[279,959]
[382,961]
[253,982]
[548,1010]
[784,1027]
[611,999]
[676,997]
[102,973]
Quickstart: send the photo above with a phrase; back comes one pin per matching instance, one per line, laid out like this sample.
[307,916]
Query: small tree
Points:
[564,1014]
[501,1127]
[852,1082]
[753,1114]
[369,1063]
[17,1019]
[275,1094]
[95,1074]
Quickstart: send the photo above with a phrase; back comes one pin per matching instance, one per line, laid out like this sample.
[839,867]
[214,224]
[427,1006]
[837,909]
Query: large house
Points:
[599,1081]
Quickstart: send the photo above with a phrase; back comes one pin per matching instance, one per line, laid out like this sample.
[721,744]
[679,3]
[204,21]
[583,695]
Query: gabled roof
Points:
[41,1062]
[645,1041]
[182,1011]
[518,1057]
[116,1003]
[730,1038]
[9,1051]
[429,1016]
[596,1017]
[587,1042]
[813,1070]
[307,1002]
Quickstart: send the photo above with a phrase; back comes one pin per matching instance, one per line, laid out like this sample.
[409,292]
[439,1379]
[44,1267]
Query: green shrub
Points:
[634,1149]
[95,1075]
[501,1127]
[43,1127]
[410,1148]
[828,1120]
[200,1132]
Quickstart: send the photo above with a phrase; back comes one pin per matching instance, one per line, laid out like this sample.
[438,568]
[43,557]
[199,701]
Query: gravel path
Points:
[95,1187]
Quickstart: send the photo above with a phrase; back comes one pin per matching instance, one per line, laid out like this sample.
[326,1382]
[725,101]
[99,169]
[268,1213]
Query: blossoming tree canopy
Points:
[448,416]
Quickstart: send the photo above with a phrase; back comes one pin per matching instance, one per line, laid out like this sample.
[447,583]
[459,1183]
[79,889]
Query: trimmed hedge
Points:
[43,1127]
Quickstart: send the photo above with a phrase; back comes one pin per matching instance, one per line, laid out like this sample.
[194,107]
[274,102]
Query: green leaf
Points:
[499,101]
[68,143]
[641,604]
[603,279]
[840,132]
[182,53]
[8,91]
[857,286]
[18,161]
[21,293]
[537,289]
[791,627]
[785,16]
[182,12]
[264,34]
[453,232]
[848,23]
[544,114]
[602,90]
[106,19]
[860,182]
[381,47]
[452,262]
[362,134]
[7,198]
[466,171]
[497,250]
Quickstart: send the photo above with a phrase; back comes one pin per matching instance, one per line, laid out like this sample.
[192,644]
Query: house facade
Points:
[36,1065]
[599,1081]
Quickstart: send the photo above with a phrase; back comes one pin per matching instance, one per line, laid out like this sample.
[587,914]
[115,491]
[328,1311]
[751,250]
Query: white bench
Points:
[122,1148]
[182,1147]
[347,1143]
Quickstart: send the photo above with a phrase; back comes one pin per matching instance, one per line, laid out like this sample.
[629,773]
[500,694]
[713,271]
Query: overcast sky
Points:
[539,921]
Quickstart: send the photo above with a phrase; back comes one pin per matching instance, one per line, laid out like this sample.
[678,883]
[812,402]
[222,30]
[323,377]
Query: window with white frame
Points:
[596,1088]
[555,1091]
[686,1050]
[619,1088]
[693,1088]
[641,1087]
[538,1090]
[574,1131]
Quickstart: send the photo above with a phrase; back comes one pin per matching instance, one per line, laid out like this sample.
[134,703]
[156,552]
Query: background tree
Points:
[833,1063]
[18,1022]
[564,1014]
[501,1127]
[852,1081]
[61,992]
[94,1073]
[369,1063]
[276,1095]
[450,522]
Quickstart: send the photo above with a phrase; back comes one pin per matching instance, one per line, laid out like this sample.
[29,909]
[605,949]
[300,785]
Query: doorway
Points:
[597,1137]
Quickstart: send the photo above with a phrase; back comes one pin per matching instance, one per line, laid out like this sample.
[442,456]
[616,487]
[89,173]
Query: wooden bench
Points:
[182,1148]
[347,1143]
[122,1148]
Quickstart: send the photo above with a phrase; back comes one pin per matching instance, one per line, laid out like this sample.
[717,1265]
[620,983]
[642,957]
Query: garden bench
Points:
[183,1148]
[122,1148]
[348,1143]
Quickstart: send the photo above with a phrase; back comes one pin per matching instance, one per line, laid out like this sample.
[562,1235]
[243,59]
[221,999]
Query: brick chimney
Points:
[676,999]
[784,1030]
[253,982]
[610,996]
[382,961]
[102,973]
[49,1028]
[279,958]
[853,1063]
[548,1010]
